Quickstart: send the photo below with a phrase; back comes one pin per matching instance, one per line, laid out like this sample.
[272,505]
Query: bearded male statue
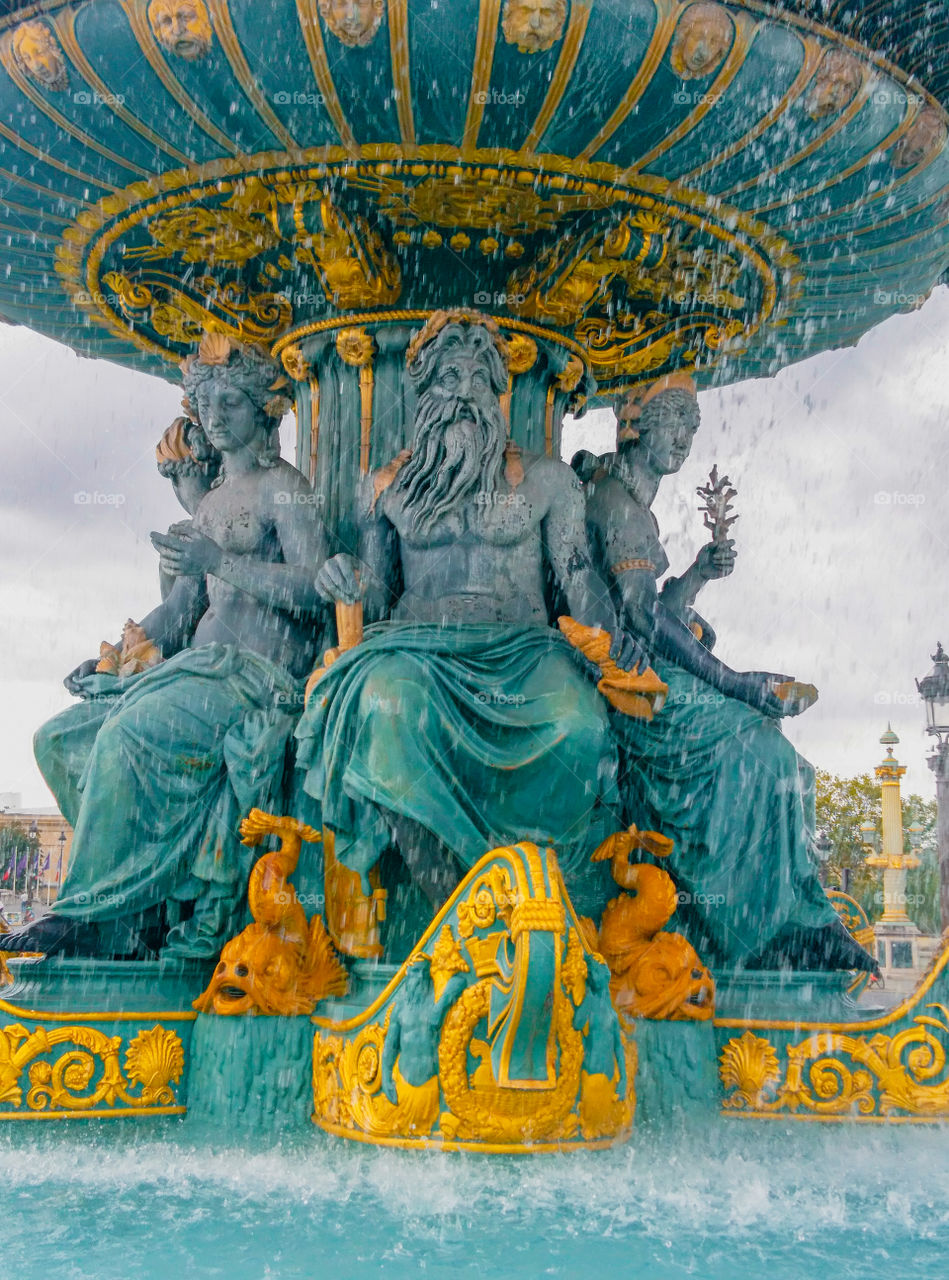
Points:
[464,720]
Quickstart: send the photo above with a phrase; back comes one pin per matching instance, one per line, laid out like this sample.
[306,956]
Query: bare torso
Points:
[239,515]
[485,561]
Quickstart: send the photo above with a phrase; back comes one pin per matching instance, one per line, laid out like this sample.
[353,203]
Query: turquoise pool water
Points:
[783,1203]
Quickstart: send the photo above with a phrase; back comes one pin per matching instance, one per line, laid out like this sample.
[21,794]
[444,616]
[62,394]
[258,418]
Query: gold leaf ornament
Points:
[355,347]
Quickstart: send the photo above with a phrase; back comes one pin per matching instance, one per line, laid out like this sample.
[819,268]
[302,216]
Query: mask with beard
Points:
[458,451]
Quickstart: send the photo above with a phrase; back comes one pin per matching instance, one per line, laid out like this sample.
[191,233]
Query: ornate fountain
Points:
[617,196]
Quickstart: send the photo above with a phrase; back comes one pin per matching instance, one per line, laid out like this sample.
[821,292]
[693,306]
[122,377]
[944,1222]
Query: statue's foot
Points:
[52,935]
[828,948]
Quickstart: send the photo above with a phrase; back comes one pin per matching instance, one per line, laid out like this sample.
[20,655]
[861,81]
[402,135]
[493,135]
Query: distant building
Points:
[54,841]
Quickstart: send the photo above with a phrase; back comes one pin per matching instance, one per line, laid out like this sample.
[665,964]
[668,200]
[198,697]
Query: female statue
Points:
[184,725]
[713,769]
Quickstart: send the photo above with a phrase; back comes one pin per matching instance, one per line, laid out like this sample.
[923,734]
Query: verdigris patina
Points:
[714,770]
[154,769]
[463,720]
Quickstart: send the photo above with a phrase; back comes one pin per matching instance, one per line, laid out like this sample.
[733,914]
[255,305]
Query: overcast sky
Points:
[843,541]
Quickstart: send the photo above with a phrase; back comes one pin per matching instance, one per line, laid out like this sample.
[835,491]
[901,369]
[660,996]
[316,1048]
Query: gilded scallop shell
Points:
[155,1059]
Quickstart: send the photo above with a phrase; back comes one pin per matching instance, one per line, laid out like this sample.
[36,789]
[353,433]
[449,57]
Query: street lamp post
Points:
[59,865]
[934,690]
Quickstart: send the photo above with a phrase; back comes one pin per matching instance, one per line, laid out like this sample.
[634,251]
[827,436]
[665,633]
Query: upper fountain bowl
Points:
[658,183]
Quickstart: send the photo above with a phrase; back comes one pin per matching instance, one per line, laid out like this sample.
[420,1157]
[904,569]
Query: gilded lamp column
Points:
[895,932]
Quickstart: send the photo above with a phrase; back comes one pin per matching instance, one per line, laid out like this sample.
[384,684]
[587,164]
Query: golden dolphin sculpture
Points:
[280,964]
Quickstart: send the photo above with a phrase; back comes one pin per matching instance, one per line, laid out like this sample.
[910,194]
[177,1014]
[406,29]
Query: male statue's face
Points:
[459,428]
[462,374]
[229,417]
[668,426]
[182,27]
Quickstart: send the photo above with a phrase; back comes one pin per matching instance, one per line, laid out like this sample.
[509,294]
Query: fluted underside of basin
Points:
[654,183]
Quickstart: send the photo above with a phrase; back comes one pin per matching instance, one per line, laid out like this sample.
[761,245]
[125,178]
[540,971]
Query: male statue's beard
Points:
[459,446]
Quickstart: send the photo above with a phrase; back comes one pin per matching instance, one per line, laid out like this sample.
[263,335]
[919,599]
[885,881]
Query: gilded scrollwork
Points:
[834,1074]
[75,1069]
[219,308]
[645,276]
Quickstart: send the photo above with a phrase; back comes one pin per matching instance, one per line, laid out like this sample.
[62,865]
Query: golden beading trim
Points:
[312,327]
[624,566]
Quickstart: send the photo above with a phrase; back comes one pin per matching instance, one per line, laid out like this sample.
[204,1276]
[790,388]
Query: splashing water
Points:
[789,1201]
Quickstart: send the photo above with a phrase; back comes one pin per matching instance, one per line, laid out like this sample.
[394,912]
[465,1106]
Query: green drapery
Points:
[484,734]
[155,771]
[722,780]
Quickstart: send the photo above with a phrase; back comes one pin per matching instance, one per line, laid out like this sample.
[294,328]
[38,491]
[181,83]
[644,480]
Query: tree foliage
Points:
[843,804]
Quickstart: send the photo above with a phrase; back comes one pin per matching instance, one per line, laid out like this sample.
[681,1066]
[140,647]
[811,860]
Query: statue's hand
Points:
[186,553]
[338,579]
[756,688]
[86,668]
[627,652]
[716,559]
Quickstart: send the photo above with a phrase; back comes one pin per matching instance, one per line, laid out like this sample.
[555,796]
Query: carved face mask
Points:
[533,25]
[36,52]
[352,22]
[182,27]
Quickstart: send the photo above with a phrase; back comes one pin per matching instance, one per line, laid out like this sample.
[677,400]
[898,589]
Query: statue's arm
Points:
[171,625]
[714,560]
[378,554]
[568,555]
[626,546]
[453,989]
